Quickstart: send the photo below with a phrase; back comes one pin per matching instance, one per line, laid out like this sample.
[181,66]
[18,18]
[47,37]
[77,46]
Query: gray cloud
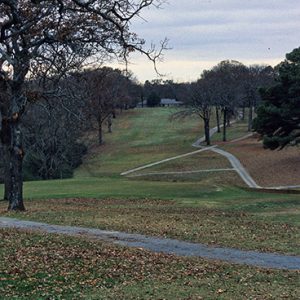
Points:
[212,30]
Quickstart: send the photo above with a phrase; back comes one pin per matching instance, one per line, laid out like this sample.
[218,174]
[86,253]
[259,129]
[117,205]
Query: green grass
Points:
[215,218]
[235,131]
[201,161]
[207,208]
[120,187]
[141,137]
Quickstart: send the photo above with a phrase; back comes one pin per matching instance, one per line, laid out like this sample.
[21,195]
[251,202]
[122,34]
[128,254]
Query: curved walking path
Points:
[236,164]
[163,245]
[166,160]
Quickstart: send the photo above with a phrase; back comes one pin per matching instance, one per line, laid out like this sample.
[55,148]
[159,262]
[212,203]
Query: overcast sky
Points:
[205,32]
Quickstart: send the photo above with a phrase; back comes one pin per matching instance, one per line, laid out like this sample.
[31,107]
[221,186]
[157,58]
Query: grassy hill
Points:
[210,209]
[139,137]
[147,135]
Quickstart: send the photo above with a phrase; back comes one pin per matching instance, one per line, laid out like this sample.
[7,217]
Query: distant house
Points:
[163,103]
[170,102]
[141,104]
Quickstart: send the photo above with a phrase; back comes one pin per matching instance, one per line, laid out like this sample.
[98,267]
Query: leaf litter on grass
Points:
[41,266]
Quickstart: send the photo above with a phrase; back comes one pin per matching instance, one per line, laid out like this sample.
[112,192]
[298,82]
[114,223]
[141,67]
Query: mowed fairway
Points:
[209,208]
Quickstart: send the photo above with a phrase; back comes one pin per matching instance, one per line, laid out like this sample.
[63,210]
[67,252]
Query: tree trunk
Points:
[109,124]
[218,119]
[15,179]
[224,124]
[13,158]
[243,113]
[5,160]
[228,115]
[7,185]
[206,130]
[100,136]
[12,135]
[250,118]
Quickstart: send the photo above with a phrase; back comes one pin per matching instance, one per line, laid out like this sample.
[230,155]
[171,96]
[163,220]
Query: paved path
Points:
[236,164]
[167,246]
[289,187]
[212,131]
[165,160]
[182,172]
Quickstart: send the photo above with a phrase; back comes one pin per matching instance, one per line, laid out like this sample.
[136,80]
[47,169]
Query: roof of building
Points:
[167,101]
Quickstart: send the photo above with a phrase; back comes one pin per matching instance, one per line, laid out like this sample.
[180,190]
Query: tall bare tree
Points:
[102,91]
[53,37]
[199,101]
[227,87]
[255,77]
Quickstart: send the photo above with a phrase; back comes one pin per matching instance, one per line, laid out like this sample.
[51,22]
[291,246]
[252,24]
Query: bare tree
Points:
[4,100]
[52,129]
[199,102]
[55,36]
[254,77]
[102,90]
[227,88]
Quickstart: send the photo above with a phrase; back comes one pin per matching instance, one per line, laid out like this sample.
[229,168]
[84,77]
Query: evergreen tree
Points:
[278,118]
[153,100]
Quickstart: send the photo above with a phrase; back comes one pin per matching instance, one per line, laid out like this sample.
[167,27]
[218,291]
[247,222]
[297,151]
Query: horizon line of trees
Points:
[42,41]
[48,101]
[233,90]
[61,112]
[228,90]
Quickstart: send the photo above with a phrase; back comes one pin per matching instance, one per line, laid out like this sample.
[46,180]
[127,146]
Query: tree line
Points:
[63,112]
[44,41]
[232,90]
[228,90]
[48,97]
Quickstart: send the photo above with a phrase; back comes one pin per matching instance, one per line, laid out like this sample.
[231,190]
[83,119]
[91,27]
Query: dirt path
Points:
[168,246]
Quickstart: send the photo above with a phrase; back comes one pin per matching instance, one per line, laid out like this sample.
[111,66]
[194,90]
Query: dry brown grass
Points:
[222,227]
[268,168]
[201,161]
[41,266]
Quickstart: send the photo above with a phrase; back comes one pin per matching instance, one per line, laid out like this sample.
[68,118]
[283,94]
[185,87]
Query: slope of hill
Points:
[204,208]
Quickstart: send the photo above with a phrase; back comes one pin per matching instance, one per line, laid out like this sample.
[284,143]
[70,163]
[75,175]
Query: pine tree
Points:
[278,118]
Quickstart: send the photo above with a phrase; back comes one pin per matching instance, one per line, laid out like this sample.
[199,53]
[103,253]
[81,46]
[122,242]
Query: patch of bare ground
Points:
[268,168]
